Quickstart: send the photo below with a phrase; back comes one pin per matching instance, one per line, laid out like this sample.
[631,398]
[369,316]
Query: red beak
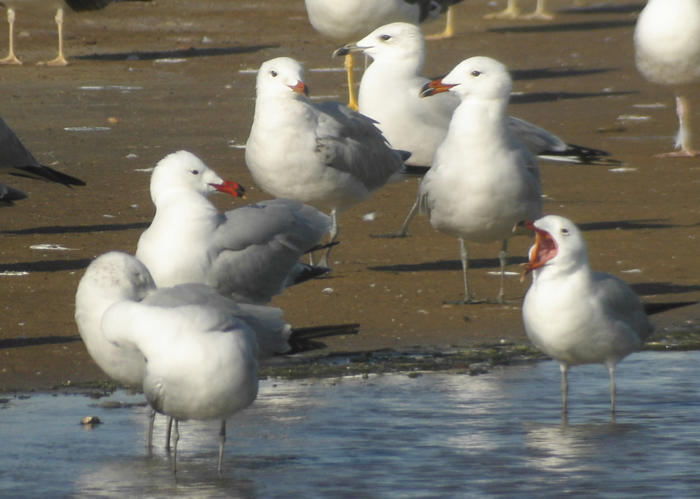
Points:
[233,188]
[435,87]
[300,88]
[545,249]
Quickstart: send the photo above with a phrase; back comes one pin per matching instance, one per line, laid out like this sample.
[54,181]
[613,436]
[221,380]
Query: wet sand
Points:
[164,76]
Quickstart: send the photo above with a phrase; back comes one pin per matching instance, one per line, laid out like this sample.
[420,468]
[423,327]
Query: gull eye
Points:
[273,73]
[194,172]
[385,37]
[565,231]
[476,73]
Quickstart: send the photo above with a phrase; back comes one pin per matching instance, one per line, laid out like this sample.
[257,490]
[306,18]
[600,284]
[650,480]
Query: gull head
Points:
[281,76]
[480,77]
[391,43]
[559,245]
[115,276]
[183,170]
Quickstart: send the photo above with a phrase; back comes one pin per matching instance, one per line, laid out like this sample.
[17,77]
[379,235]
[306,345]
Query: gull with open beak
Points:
[573,314]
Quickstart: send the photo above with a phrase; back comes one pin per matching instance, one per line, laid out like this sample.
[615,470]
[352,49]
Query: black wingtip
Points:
[304,339]
[657,308]
[47,173]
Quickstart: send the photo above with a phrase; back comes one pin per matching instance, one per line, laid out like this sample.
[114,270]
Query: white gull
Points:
[573,314]
[482,181]
[325,155]
[667,52]
[249,254]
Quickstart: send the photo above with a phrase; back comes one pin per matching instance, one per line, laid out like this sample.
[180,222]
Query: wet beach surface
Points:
[148,79]
[499,434]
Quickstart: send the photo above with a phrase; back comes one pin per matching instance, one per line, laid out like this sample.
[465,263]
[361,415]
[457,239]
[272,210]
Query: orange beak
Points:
[233,188]
[544,249]
[300,88]
[434,87]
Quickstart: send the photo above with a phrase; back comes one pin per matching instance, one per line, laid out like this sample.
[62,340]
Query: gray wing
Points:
[623,304]
[350,142]
[260,245]
[268,323]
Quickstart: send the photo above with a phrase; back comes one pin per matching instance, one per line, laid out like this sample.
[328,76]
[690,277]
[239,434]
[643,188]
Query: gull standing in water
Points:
[248,254]
[58,6]
[573,314]
[325,155]
[482,181]
[667,52]
[390,95]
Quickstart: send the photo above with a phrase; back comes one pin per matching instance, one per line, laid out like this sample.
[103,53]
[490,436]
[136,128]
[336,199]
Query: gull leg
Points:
[564,388]
[613,389]
[684,135]
[176,437]
[11,57]
[403,231]
[449,26]
[503,258]
[468,298]
[350,68]
[168,429]
[333,235]
[149,431]
[541,13]
[511,12]
[222,441]
[60,60]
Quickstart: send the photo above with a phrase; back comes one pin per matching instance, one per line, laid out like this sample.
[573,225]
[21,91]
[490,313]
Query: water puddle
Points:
[442,435]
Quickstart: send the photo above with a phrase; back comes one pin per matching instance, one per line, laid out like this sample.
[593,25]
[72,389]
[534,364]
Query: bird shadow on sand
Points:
[663,288]
[451,265]
[551,28]
[31,342]
[626,225]
[46,265]
[548,73]
[174,54]
[537,97]
[630,8]
[76,229]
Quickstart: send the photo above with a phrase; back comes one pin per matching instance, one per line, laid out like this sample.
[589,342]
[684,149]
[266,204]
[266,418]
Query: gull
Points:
[325,155]
[390,95]
[199,362]
[482,180]
[116,277]
[16,159]
[59,6]
[667,52]
[249,254]
[344,20]
[573,314]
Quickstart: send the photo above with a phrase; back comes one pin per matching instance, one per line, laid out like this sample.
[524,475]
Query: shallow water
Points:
[496,435]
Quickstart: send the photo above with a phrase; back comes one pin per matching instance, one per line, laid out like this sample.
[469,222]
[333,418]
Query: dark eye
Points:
[385,37]
[273,73]
[194,172]
[476,73]
[565,231]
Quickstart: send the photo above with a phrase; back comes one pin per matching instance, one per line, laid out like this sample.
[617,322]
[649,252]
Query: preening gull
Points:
[667,52]
[249,254]
[325,155]
[57,6]
[482,181]
[573,314]
[390,95]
